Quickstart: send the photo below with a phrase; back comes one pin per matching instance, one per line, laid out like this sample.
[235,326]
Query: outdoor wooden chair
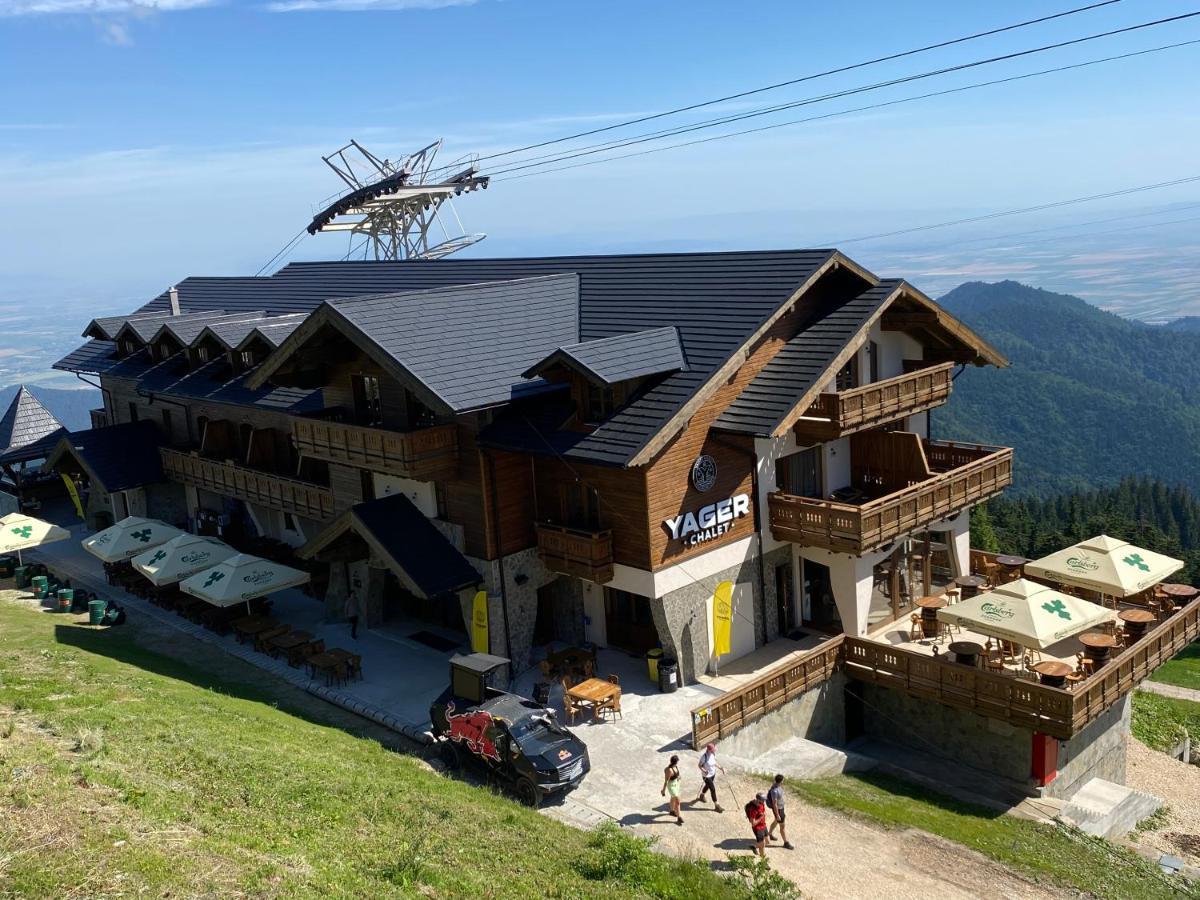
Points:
[566,683]
[589,668]
[299,655]
[614,679]
[262,638]
[612,705]
[571,708]
[994,661]
[946,629]
[916,631]
[544,665]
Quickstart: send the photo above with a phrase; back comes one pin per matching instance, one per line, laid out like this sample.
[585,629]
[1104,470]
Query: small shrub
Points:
[89,740]
[763,882]
[7,727]
[615,855]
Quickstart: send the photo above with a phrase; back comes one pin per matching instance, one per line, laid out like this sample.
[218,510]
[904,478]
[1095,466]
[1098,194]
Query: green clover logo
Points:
[1135,559]
[23,531]
[143,535]
[1057,607]
[157,557]
[214,578]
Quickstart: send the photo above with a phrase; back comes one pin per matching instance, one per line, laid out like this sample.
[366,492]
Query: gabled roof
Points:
[27,429]
[458,348]
[214,382]
[622,357]
[187,329]
[146,328]
[118,457]
[233,334]
[105,328]
[409,543]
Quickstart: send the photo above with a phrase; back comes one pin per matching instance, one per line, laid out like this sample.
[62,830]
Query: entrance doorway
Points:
[400,603]
[543,625]
[819,609]
[628,623]
[785,598]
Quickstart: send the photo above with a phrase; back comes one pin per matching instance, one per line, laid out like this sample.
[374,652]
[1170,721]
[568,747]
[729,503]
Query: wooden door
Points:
[628,622]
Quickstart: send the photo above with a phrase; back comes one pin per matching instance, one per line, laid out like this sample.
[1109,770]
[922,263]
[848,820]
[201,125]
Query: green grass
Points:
[1158,721]
[1183,670]
[1046,853]
[132,772]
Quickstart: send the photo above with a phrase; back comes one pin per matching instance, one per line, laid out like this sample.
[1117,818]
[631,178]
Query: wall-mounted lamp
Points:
[520,578]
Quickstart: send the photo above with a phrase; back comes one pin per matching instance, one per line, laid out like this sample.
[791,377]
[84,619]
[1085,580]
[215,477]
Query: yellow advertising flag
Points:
[74,492]
[479,623]
[722,617]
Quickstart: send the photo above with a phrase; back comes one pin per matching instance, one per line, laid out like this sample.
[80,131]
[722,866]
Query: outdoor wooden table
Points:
[1099,644]
[251,626]
[970,585]
[571,659]
[966,652]
[191,607]
[1135,621]
[1010,562]
[289,641]
[352,660]
[327,663]
[1052,672]
[596,692]
[1178,594]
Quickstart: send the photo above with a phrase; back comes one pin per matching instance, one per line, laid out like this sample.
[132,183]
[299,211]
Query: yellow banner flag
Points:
[479,623]
[722,617]
[74,492]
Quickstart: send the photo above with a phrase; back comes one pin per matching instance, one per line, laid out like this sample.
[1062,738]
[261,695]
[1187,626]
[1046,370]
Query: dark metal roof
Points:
[622,357]
[106,327]
[94,357]
[275,330]
[783,381]
[214,382]
[232,334]
[146,328]
[119,457]
[468,344]
[28,429]
[187,329]
[538,428]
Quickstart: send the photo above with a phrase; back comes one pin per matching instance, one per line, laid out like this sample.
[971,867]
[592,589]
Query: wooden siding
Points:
[464,497]
[274,491]
[574,551]
[834,415]
[508,502]
[426,454]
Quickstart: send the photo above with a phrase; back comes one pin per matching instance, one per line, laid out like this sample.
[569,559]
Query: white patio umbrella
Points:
[20,532]
[1107,565]
[1027,613]
[180,558]
[129,537]
[241,577]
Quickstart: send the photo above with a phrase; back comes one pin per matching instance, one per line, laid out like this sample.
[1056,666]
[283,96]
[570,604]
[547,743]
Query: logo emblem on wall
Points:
[704,473]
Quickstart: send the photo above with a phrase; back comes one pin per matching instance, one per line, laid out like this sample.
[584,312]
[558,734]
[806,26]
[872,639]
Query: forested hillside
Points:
[1089,399]
[1142,511]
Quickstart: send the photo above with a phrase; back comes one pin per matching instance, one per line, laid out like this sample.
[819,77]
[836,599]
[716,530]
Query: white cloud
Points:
[362,5]
[94,7]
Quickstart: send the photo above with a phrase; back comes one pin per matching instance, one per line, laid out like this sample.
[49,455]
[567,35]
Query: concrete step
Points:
[1108,810]
[801,758]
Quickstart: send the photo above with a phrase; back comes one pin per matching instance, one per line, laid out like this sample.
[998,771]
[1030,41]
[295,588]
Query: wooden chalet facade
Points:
[597,441]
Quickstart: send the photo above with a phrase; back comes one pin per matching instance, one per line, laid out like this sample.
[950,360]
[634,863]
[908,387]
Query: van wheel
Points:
[528,792]
[451,756]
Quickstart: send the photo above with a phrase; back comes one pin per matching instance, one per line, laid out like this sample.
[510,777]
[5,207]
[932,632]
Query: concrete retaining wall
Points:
[1096,752]
[818,715]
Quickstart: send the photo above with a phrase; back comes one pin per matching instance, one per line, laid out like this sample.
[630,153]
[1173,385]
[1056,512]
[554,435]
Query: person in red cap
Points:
[756,812]
[708,771]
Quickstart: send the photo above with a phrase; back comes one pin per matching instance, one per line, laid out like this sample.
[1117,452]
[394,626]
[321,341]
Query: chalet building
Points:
[596,441]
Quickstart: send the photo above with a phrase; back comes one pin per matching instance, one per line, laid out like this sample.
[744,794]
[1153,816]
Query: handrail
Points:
[576,551]
[276,491]
[836,413]
[424,453]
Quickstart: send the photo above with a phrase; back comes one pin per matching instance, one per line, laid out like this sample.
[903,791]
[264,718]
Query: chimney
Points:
[173,293]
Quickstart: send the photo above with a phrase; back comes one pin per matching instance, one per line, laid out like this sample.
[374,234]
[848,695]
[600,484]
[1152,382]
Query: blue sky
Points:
[141,143]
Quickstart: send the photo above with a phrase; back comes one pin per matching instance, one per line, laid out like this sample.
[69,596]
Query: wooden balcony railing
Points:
[573,551]
[231,480]
[845,412]
[753,700]
[425,454]
[974,474]
[1058,712]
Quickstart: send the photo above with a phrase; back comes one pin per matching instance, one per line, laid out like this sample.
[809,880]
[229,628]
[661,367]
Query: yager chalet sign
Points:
[708,522]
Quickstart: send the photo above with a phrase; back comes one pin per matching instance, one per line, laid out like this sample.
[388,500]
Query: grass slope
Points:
[132,772]
[1090,397]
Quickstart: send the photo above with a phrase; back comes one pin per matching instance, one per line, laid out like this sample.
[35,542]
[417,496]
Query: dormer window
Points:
[599,403]
[164,351]
[248,360]
[127,347]
[202,354]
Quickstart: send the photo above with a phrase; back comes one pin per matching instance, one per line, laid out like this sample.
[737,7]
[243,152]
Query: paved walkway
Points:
[1170,690]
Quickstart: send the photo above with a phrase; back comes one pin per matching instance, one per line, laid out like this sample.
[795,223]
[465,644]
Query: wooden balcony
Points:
[99,417]
[426,454]
[579,552]
[965,474]
[231,480]
[837,414]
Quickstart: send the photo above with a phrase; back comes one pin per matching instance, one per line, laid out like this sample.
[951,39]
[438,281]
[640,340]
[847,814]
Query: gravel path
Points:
[1170,690]
[1178,784]
[842,857]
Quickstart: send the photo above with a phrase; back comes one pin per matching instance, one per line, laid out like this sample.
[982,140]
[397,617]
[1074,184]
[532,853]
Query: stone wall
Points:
[167,501]
[521,600]
[817,715]
[781,556]
[1096,752]
[681,617]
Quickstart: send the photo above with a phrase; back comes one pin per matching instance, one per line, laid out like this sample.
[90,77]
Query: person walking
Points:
[756,812]
[672,786]
[775,801]
[708,771]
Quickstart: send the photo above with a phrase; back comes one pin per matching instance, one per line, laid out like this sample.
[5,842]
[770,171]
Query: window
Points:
[289,522]
[368,400]
[133,414]
[873,360]
[202,354]
[164,350]
[799,474]
[127,347]
[166,420]
[248,360]
[847,378]
[580,506]
[599,404]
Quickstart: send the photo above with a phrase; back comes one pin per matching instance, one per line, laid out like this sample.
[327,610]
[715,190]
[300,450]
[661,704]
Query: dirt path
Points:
[1178,784]
[841,857]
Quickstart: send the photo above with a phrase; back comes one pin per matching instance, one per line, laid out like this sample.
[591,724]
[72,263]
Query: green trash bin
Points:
[21,574]
[41,585]
[95,611]
[652,658]
[66,596]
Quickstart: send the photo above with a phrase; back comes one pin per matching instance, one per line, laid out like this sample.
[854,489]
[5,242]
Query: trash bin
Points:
[22,575]
[41,586]
[668,675]
[96,611]
[541,693]
[66,597]
[652,658]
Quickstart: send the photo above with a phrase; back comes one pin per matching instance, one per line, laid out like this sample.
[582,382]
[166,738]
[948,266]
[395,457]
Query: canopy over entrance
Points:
[242,577]
[1107,565]
[1028,613]
[404,540]
[129,537]
[19,532]
[180,558]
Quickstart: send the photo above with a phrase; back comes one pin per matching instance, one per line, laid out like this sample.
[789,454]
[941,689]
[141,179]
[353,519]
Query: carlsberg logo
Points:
[1082,564]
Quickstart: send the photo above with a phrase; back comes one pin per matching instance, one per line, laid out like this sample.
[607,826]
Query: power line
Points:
[857,109]
[641,139]
[282,250]
[804,78]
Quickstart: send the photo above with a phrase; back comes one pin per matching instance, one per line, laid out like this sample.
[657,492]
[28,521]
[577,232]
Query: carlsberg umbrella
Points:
[181,557]
[20,532]
[241,577]
[1028,613]
[129,537]
[1105,564]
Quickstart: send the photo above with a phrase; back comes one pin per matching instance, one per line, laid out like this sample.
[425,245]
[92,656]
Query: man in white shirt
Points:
[708,771]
